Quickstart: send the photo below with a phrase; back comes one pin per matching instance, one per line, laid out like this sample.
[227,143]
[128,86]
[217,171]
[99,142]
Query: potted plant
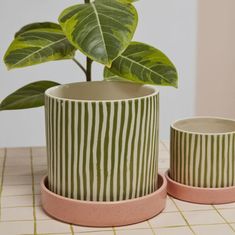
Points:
[102,137]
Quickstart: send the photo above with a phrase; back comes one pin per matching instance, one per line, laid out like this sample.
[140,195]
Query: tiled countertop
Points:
[20,211]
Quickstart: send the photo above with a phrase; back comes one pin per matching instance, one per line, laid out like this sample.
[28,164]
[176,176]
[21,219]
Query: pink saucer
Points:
[200,195]
[104,214]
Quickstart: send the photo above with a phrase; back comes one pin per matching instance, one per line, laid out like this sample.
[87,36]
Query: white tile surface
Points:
[18,213]
[18,171]
[17,180]
[18,152]
[16,201]
[202,217]
[143,225]
[15,228]
[2,152]
[165,219]
[228,214]
[227,205]
[174,231]
[217,229]
[170,206]
[39,152]
[98,233]
[186,206]
[89,229]
[10,190]
[40,214]
[18,161]
[52,226]
[135,232]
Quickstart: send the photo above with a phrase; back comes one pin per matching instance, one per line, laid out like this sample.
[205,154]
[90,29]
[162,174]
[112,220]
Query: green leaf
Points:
[101,30]
[29,96]
[145,64]
[122,1]
[109,76]
[37,43]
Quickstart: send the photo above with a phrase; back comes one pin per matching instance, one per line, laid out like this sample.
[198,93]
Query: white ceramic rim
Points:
[200,133]
[155,92]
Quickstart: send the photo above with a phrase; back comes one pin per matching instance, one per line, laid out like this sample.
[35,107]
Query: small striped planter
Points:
[202,152]
[102,140]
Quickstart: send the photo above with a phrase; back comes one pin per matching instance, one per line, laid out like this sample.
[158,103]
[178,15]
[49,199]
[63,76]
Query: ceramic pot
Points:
[102,140]
[203,152]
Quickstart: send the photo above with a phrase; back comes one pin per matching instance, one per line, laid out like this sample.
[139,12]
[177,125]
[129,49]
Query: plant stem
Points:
[82,68]
[88,61]
[88,69]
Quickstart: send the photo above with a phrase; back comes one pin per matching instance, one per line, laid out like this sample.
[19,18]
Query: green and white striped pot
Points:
[102,140]
[203,152]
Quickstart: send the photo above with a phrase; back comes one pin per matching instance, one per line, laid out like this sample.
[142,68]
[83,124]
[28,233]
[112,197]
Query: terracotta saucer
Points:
[200,195]
[104,214]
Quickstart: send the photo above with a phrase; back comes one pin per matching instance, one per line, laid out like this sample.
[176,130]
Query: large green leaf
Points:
[101,30]
[110,76]
[142,63]
[37,43]
[29,96]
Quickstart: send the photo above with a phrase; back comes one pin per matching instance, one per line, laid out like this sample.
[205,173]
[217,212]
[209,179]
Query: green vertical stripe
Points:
[142,186]
[132,149]
[223,159]
[84,179]
[228,162]
[91,145]
[66,149]
[217,161]
[185,158]
[101,118]
[153,155]
[206,159]
[72,146]
[56,145]
[189,159]
[140,134]
[79,126]
[233,159]
[172,155]
[212,161]
[148,153]
[194,159]
[180,156]
[200,161]
[129,103]
[113,160]
[106,156]
[61,146]
[123,113]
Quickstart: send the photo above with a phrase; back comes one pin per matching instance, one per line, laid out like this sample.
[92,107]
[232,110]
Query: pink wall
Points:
[216,58]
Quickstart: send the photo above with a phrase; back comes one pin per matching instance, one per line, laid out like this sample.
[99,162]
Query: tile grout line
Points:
[114,231]
[181,213]
[151,227]
[71,229]
[225,220]
[33,191]
[2,180]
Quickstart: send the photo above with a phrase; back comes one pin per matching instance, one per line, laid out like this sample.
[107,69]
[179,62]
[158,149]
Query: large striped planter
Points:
[102,140]
[203,152]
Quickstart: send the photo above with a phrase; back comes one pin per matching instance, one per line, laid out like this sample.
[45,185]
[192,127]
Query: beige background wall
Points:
[216,58]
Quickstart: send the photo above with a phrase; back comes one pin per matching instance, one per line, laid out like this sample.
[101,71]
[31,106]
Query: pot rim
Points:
[155,91]
[201,133]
